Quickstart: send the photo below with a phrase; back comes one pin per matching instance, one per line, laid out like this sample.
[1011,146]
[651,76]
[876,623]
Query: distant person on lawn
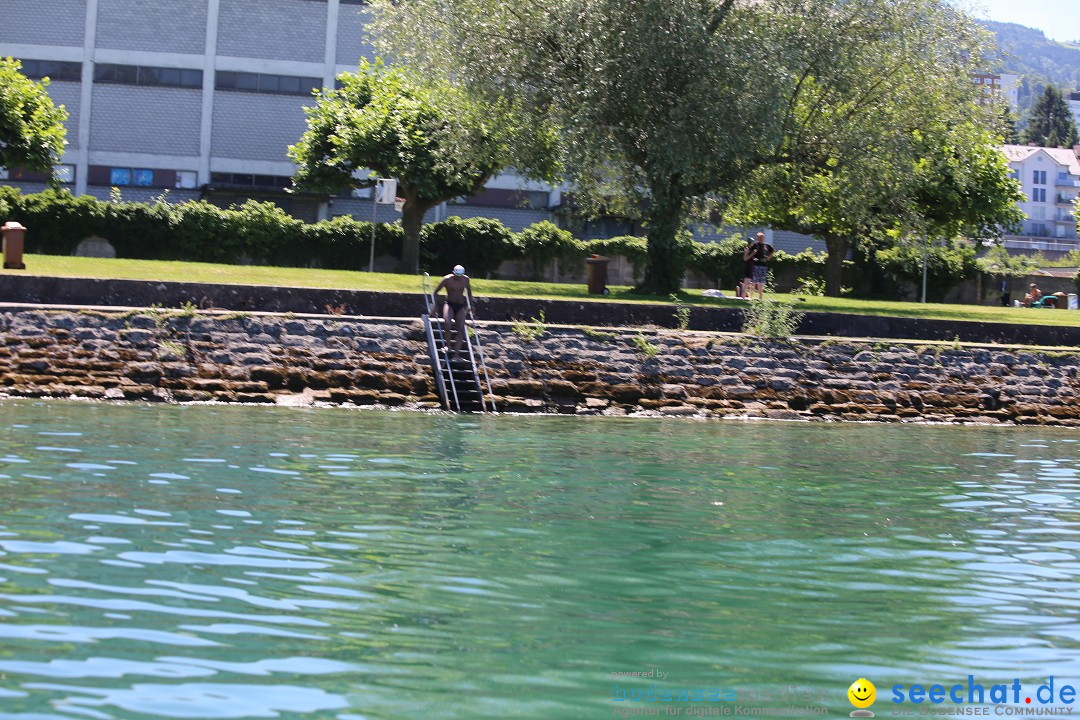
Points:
[759,253]
[1033,296]
[457,285]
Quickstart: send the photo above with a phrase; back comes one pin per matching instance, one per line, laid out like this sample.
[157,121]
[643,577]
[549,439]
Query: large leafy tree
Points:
[663,105]
[438,145]
[926,180]
[1050,122]
[32,134]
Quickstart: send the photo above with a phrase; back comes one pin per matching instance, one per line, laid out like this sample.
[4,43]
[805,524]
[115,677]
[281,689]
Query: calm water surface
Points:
[229,562]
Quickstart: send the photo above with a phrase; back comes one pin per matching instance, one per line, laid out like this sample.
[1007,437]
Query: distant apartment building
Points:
[996,86]
[1073,99]
[1050,178]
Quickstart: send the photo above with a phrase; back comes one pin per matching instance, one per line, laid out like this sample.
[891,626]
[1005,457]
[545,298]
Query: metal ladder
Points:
[457,381]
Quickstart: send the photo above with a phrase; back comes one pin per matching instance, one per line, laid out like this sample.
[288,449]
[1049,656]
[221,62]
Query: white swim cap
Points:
[459,269]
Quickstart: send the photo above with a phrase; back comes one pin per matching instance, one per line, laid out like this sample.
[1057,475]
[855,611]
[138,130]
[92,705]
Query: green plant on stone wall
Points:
[599,335]
[771,319]
[171,349]
[531,330]
[643,346]
[682,312]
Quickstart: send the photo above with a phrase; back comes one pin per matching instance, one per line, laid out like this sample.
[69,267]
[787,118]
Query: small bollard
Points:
[14,237]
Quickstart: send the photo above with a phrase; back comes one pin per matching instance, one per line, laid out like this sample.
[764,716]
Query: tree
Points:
[1007,124]
[32,134]
[1050,122]
[380,123]
[665,104]
[924,179]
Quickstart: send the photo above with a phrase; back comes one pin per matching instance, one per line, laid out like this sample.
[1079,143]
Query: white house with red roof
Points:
[1051,181]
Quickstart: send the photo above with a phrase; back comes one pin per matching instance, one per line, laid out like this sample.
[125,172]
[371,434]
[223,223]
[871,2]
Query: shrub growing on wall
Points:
[634,249]
[721,262]
[947,266]
[344,243]
[57,221]
[480,244]
[544,242]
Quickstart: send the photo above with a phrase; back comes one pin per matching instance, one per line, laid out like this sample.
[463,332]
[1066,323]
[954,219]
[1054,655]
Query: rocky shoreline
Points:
[196,356]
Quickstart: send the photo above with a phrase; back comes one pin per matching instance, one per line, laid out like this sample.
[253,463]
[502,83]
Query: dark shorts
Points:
[455,307]
[748,270]
[761,272]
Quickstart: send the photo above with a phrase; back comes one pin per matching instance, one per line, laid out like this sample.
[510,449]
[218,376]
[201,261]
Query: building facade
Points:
[996,86]
[1073,99]
[202,98]
[1050,178]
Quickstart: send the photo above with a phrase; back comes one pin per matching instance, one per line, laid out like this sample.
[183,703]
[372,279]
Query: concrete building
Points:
[1051,181]
[996,86]
[1073,99]
[203,97]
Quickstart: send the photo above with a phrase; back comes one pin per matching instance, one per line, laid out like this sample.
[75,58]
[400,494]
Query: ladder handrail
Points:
[480,352]
[429,301]
[440,385]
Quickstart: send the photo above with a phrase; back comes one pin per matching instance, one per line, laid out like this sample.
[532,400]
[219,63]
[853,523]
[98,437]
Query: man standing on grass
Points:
[759,253]
[742,290]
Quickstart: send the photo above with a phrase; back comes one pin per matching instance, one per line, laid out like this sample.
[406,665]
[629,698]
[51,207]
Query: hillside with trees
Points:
[1038,61]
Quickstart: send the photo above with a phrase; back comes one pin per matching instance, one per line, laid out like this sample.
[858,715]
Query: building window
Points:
[64,173]
[1038,195]
[276,182]
[147,75]
[1040,177]
[537,199]
[136,177]
[186,179]
[270,84]
[52,69]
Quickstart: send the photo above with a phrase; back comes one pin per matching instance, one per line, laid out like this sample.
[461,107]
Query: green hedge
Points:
[260,232]
[480,244]
[253,232]
[946,267]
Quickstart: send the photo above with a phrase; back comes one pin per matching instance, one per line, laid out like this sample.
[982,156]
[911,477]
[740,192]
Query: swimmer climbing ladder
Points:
[457,381]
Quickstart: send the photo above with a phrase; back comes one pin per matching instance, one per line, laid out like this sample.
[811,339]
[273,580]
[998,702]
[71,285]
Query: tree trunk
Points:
[412,219]
[666,266]
[834,263]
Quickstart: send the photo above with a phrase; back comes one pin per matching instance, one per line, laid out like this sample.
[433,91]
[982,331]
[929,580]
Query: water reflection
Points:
[260,562]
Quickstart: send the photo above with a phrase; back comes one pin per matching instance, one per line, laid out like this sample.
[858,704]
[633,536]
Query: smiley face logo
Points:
[862,694]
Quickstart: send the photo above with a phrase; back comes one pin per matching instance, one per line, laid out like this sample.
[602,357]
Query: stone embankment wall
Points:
[266,358]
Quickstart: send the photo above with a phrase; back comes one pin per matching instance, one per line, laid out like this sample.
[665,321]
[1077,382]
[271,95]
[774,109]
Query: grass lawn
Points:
[66,266]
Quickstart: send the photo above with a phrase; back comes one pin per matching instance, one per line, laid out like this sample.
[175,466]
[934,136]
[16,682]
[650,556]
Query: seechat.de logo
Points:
[862,694]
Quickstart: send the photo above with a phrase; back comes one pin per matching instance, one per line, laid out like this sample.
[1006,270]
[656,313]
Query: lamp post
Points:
[926,253]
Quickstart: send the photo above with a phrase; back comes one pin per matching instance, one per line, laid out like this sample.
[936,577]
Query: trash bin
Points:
[1073,305]
[596,267]
[14,236]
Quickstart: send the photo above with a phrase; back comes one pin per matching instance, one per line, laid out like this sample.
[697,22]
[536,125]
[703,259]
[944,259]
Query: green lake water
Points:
[240,562]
